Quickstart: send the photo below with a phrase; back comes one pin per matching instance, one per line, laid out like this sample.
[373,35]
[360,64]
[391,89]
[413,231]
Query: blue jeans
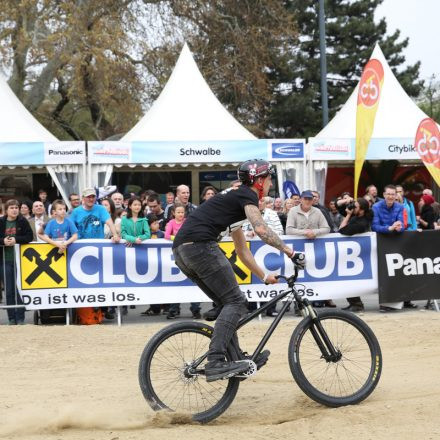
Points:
[12,296]
[206,265]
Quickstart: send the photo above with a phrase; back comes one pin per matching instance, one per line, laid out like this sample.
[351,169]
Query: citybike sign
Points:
[378,149]
[99,272]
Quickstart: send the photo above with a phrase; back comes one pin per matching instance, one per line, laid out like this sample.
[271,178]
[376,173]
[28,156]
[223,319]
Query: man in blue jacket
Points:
[409,206]
[388,219]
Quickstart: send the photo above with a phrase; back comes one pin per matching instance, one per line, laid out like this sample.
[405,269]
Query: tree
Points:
[429,99]
[70,63]
[351,34]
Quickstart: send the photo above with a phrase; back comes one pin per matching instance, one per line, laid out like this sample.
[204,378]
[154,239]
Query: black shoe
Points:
[409,305]
[109,315]
[318,304]
[216,370]
[212,314]
[197,315]
[171,315]
[261,360]
[355,308]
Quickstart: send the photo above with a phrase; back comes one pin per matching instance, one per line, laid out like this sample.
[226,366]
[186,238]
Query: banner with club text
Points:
[102,273]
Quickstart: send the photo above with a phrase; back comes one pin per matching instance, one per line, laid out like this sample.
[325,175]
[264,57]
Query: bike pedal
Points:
[251,371]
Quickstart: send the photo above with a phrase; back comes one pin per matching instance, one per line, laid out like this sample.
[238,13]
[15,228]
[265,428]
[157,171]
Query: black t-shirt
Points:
[222,213]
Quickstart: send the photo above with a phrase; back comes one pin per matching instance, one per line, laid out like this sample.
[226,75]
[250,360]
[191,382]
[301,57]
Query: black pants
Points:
[205,264]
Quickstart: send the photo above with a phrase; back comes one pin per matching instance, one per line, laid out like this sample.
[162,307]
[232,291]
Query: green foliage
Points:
[351,34]
[429,99]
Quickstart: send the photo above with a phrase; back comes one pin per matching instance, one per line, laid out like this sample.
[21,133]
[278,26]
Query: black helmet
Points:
[249,170]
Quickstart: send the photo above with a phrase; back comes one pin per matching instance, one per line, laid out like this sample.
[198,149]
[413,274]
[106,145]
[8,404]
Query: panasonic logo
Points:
[64,152]
[287,151]
[412,266]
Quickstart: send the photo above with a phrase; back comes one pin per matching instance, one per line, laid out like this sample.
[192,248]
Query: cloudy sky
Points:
[418,20]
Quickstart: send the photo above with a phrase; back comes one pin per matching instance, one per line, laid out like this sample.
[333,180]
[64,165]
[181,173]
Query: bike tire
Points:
[163,383]
[347,381]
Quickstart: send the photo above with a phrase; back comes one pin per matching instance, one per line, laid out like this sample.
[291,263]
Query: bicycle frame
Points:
[320,336]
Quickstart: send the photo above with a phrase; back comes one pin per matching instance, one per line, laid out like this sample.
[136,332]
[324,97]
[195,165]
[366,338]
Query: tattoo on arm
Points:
[263,231]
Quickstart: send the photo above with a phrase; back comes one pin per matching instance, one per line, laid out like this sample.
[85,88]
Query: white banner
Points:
[101,273]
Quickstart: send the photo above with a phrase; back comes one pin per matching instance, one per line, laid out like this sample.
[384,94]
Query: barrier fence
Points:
[101,273]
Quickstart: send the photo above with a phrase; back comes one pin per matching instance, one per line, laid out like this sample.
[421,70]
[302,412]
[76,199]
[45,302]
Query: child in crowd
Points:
[134,225]
[173,226]
[60,231]
[154,224]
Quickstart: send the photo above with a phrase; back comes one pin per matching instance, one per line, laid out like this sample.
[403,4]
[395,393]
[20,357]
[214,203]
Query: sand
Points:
[81,383]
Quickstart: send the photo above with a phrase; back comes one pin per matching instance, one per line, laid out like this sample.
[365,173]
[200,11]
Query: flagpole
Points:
[323,62]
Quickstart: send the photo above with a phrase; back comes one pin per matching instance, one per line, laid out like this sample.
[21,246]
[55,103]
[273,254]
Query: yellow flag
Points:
[427,144]
[370,87]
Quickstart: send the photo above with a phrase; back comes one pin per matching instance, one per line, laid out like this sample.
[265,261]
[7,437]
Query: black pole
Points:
[324,98]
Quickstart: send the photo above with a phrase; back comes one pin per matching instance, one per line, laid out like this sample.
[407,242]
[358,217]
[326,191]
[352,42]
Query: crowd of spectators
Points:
[137,217]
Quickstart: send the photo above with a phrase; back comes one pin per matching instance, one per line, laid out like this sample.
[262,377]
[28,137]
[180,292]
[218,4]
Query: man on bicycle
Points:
[198,255]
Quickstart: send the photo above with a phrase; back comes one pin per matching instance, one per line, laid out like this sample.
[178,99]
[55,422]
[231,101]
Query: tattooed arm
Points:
[264,232]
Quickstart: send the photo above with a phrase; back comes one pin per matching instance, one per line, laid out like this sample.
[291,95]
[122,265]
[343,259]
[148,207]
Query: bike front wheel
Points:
[166,382]
[349,378]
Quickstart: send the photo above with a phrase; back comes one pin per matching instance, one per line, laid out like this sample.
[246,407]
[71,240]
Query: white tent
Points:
[395,127]
[20,131]
[187,110]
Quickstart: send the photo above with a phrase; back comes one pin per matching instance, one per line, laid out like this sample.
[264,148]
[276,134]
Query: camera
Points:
[351,206]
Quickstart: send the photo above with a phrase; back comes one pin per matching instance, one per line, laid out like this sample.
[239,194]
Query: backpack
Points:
[89,316]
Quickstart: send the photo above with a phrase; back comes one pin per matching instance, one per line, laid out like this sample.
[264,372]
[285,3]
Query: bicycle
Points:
[334,357]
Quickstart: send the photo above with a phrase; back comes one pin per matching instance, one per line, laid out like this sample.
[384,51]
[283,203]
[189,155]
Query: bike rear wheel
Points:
[346,381]
[163,376]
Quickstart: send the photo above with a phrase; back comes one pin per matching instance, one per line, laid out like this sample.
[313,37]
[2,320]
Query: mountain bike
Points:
[334,357]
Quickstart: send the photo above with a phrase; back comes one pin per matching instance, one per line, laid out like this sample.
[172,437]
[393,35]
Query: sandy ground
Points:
[76,382]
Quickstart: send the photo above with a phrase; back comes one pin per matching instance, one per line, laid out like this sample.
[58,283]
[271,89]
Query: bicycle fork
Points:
[328,351]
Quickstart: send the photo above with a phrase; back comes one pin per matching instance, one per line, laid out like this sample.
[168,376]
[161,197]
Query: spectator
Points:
[369,199]
[388,219]
[38,220]
[270,216]
[207,193]
[343,201]
[278,205]
[235,184]
[119,214]
[323,209]
[372,192]
[427,217]
[335,215]
[90,218]
[155,209]
[154,224]
[409,212]
[308,221]
[42,196]
[134,226]
[296,199]
[356,221]
[25,209]
[173,226]
[75,201]
[182,196]
[287,206]
[169,198]
[110,208]
[60,231]
[118,200]
[13,229]
[127,197]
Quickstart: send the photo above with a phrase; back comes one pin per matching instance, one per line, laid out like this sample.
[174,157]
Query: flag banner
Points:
[409,266]
[427,144]
[101,273]
[370,87]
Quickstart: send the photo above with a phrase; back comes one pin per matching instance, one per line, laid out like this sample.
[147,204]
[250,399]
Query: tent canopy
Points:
[397,115]
[187,109]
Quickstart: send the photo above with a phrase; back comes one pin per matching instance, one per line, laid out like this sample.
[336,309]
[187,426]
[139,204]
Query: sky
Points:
[418,20]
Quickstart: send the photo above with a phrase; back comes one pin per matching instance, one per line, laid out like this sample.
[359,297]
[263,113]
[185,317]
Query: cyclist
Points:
[198,255]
